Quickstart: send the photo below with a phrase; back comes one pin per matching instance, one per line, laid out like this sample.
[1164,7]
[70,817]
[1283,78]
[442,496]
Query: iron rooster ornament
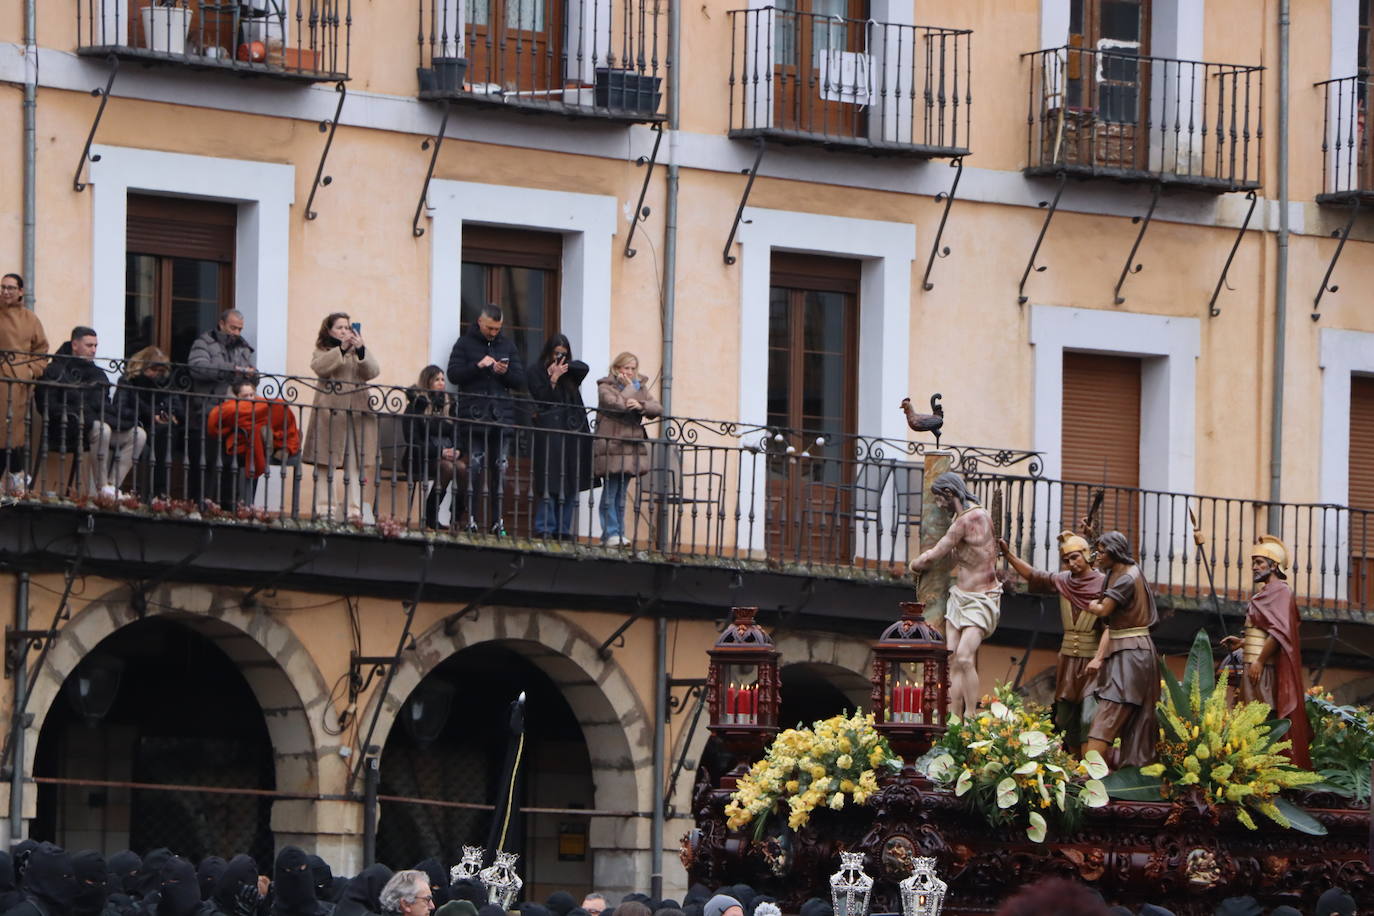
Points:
[926,422]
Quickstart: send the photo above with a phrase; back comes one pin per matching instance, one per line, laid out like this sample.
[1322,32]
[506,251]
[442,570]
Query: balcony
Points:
[295,40]
[599,59]
[1347,167]
[857,84]
[1094,113]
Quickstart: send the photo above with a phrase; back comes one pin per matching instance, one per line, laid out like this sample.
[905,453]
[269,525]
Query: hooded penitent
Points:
[363,894]
[21,852]
[50,879]
[207,872]
[324,877]
[10,896]
[92,882]
[123,867]
[560,902]
[293,884]
[179,888]
[148,878]
[240,873]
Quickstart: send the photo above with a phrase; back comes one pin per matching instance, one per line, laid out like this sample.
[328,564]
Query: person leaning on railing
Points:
[343,427]
[246,423]
[621,449]
[24,345]
[432,445]
[563,448]
[145,399]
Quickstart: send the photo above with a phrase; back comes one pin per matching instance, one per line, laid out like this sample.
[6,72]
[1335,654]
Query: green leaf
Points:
[1177,694]
[1201,665]
[1129,784]
[1300,819]
[1277,728]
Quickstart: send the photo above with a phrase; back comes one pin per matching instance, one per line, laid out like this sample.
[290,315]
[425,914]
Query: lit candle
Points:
[918,695]
[728,717]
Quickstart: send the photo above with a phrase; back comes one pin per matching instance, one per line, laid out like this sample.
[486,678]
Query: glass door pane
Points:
[140,302]
[195,303]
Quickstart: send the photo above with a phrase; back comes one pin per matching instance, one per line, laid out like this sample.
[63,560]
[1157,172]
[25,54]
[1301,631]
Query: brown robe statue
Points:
[1127,687]
[1274,610]
[1082,633]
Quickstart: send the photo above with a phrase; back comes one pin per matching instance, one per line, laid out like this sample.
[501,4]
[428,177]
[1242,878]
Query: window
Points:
[179,271]
[812,380]
[1114,81]
[1361,499]
[1101,439]
[517,270]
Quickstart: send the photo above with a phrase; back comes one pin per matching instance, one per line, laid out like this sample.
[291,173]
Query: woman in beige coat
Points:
[621,450]
[343,429]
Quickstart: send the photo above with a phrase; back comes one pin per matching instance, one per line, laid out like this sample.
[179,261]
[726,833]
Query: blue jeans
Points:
[555,515]
[485,502]
[612,508]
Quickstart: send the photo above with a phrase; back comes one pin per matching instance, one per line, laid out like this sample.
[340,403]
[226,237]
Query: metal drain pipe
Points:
[30,148]
[1280,284]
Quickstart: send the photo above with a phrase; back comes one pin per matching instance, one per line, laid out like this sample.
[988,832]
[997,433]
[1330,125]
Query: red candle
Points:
[730,701]
[918,696]
[751,704]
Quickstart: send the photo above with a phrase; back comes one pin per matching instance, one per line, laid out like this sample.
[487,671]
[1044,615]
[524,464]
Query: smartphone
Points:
[357,327]
[506,360]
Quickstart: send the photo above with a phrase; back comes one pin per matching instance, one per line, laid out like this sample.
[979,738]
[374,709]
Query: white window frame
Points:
[1343,354]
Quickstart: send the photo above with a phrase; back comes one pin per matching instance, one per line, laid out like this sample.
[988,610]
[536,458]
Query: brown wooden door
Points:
[1108,84]
[812,339]
[822,74]
[1101,440]
[514,45]
[1361,489]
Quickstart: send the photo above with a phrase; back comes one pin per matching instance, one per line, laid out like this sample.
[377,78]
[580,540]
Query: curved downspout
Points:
[30,147]
[1280,283]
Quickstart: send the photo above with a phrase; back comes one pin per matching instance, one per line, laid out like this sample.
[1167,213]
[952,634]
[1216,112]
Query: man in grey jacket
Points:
[217,359]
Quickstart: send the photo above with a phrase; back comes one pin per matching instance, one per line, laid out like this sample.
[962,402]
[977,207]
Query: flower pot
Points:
[626,90]
[165,28]
[449,73]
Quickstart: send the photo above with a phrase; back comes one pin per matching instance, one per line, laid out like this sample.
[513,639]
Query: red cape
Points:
[1275,610]
[1079,590]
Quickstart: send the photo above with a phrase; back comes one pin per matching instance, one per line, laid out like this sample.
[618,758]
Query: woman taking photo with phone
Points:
[563,454]
[621,449]
[343,428]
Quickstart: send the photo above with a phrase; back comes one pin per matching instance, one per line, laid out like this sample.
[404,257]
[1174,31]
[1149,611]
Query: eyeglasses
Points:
[9,289]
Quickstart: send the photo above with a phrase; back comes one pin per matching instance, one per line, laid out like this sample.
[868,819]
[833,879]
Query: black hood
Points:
[293,885]
[10,897]
[337,888]
[438,879]
[180,890]
[207,872]
[363,894]
[123,867]
[148,879]
[50,877]
[240,872]
[324,877]
[21,852]
[560,902]
[92,882]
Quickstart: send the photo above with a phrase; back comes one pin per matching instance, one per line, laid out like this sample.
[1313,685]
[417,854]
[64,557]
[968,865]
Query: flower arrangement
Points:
[1213,754]
[1010,765]
[1342,743]
[810,767]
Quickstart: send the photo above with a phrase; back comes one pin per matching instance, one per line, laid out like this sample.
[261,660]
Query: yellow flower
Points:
[844,762]
[837,801]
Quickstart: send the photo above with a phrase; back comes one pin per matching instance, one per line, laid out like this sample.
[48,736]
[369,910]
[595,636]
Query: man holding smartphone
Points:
[486,367]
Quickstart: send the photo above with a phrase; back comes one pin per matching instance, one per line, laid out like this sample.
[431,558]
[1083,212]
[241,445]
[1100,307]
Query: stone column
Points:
[935,521]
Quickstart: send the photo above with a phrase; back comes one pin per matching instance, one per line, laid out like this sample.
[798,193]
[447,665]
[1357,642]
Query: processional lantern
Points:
[94,686]
[469,865]
[850,888]
[910,683]
[742,685]
[502,883]
[923,894]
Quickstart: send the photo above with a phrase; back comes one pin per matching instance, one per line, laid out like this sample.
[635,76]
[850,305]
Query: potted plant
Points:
[165,26]
[627,90]
[448,67]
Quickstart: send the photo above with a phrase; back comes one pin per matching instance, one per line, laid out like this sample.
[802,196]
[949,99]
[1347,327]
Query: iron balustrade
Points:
[1347,166]
[1115,113]
[596,58]
[805,77]
[304,40]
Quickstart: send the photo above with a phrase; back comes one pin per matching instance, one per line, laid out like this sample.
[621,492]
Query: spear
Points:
[1200,540]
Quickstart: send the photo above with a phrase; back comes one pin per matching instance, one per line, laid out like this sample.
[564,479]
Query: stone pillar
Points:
[934,523]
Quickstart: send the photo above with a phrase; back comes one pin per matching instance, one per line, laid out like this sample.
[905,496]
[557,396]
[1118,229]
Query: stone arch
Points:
[614,720]
[290,690]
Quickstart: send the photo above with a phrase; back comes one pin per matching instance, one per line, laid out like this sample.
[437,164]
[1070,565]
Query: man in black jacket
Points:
[486,367]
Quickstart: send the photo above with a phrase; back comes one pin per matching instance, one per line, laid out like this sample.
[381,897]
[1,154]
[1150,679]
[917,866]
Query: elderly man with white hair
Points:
[408,894]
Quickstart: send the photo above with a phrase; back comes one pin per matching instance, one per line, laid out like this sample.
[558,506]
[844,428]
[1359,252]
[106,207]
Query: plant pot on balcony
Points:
[448,73]
[626,90]
[165,28]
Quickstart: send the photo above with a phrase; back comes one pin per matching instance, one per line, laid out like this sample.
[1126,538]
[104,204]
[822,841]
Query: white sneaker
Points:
[16,483]
[620,541]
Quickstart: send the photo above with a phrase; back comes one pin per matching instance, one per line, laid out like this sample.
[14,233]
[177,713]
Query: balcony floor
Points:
[849,144]
[1142,176]
[149,57]
[1364,196]
[534,106]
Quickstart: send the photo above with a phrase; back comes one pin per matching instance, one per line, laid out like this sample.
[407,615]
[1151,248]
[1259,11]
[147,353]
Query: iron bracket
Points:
[1341,234]
[1212,310]
[752,172]
[1053,205]
[517,566]
[642,212]
[301,558]
[1144,223]
[139,597]
[681,764]
[18,643]
[935,249]
[104,96]
[322,180]
[617,639]
[438,141]
[695,687]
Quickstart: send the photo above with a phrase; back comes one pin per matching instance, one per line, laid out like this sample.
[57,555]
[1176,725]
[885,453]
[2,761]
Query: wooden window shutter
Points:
[1101,431]
[1361,443]
[180,228]
[808,271]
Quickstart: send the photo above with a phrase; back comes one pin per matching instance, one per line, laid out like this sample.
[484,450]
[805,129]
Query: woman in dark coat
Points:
[432,439]
[563,454]
[145,397]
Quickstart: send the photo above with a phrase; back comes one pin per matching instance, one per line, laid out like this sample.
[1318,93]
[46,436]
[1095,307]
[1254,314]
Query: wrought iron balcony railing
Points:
[304,40]
[603,59]
[1347,164]
[1115,113]
[850,83]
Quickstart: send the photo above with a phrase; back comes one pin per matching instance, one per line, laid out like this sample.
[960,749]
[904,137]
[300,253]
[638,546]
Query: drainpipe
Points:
[30,146]
[670,210]
[1281,284]
[21,686]
[660,722]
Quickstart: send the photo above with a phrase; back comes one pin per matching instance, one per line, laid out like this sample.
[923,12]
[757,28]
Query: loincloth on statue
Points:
[974,609]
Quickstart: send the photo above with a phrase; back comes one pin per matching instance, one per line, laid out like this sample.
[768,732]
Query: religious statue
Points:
[1271,650]
[1077,585]
[1126,665]
[975,595]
